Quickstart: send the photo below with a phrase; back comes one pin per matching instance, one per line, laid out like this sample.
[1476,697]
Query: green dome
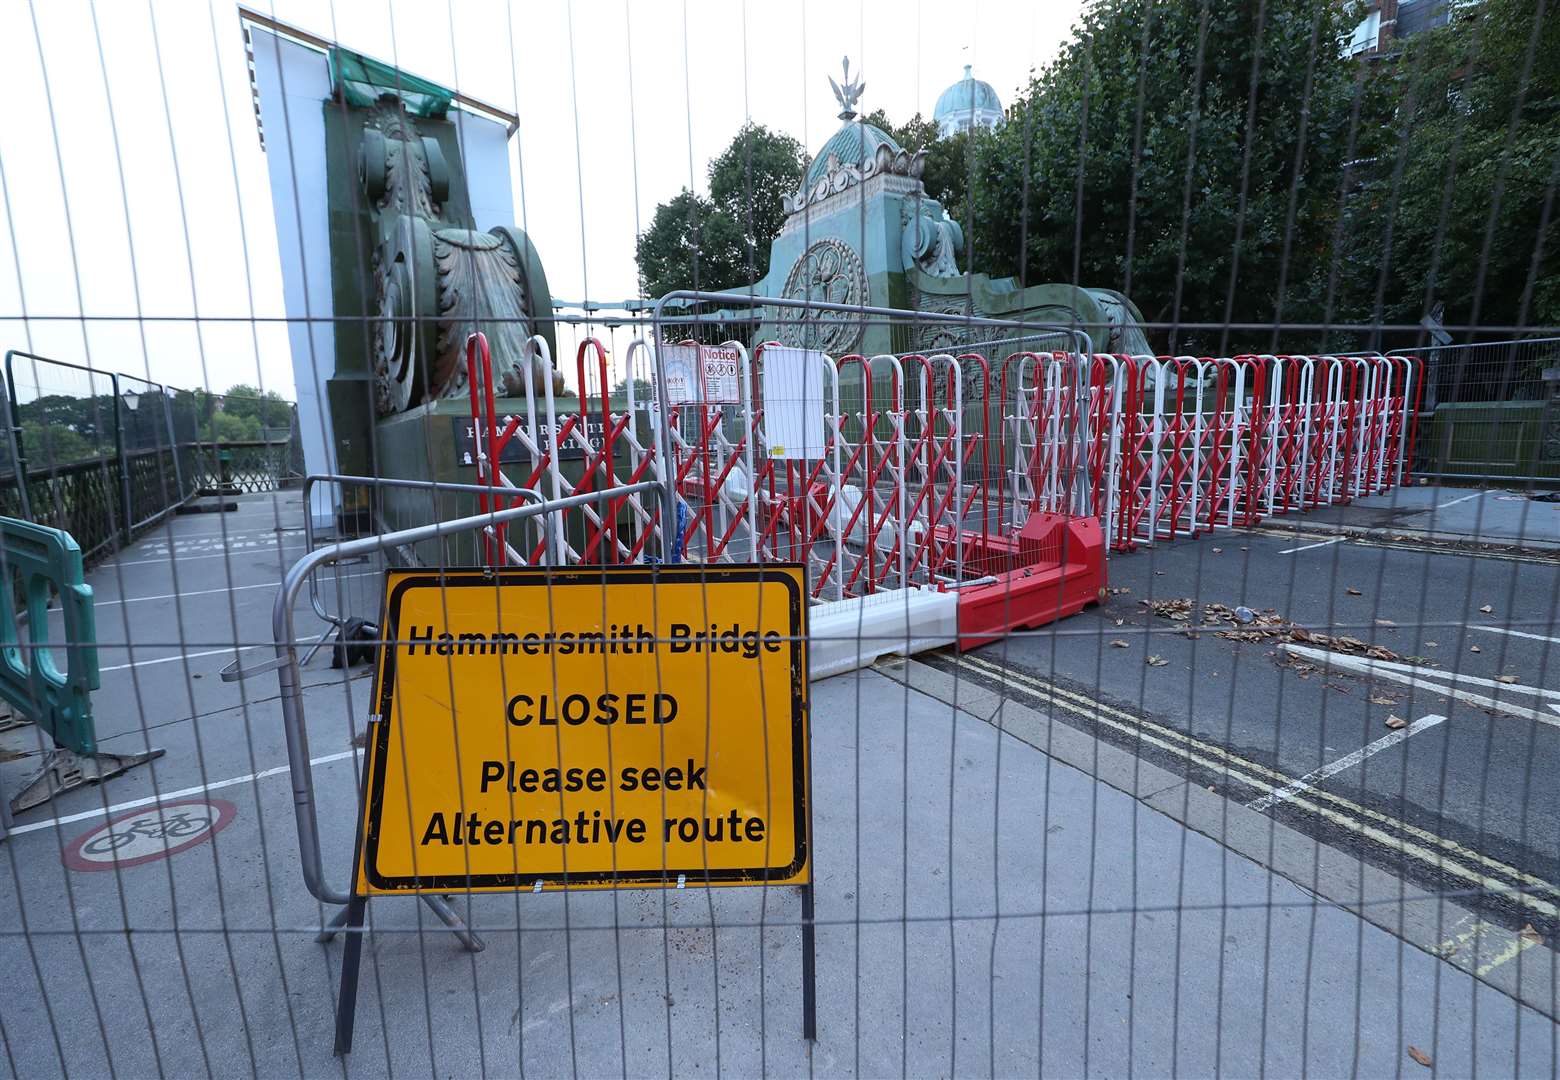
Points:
[969,93]
[855,143]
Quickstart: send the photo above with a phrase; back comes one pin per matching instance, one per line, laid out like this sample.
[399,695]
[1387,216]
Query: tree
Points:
[688,245]
[230,427]
[91,417]
[269,409]
[747,182]
[1452,207]
[946,167]
[644,390]
[50,446]
[1188,187]
[722,242]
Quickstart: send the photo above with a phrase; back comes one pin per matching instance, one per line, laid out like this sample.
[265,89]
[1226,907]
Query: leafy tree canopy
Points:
[722,242]
[269,409]
[1225,163]
[1455,201]
[1187,154]
[946,167]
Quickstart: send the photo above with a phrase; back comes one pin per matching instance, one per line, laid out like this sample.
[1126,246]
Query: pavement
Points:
[1038,857]
[1526,517]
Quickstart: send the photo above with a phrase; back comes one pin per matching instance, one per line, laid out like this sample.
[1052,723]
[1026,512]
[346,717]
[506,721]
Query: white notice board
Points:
[793,402]
[719,366]
[677,363]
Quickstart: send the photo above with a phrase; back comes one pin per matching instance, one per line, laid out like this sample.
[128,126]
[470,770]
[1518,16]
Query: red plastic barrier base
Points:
[1060,571]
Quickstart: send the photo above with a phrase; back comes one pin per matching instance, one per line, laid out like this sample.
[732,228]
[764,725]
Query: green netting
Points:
[362,82]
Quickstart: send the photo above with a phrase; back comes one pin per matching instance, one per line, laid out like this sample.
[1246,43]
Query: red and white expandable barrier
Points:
[1179,445]
[977,496]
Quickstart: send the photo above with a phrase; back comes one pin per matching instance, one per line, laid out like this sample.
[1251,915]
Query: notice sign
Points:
[793,402]
[594,725]
[716,367]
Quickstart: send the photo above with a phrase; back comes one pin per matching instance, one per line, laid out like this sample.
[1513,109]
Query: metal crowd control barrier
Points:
[105,456]
[865,469]
[44,562]
[287,662]
[1489,411]
[336,621]
[1181,445]
[907,475]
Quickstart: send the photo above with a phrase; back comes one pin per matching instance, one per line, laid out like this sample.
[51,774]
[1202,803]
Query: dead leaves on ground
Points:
[1264,625]
[1420,1056]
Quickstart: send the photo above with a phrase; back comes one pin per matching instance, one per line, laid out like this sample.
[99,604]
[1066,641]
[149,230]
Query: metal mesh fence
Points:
[1061,581]
[103,455]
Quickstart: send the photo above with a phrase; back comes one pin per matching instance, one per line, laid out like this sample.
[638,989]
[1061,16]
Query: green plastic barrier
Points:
[37,561]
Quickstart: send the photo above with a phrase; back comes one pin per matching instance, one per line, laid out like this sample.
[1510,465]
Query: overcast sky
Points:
[134,182]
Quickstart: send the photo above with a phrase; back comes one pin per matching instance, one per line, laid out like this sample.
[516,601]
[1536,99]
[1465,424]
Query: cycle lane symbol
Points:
[148,833]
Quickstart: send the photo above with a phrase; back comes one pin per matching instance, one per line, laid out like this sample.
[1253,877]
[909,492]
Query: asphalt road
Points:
[1461,804]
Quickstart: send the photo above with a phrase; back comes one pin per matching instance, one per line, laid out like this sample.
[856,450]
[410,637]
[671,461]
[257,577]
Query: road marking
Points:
[1308,547]
[170,659]
[1434,673]
[233,588]
[199,789]
[1513,633]
[166,559]
[1350,815]
[1348,761]
[1424,678]
[1364,540]
[193,592]
[1454,502]
[1482,946]
[193,535]
[143,836]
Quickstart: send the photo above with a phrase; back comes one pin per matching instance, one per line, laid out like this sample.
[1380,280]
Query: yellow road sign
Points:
[593,726]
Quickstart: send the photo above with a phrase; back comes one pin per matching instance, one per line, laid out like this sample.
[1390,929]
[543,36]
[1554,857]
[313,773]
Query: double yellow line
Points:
[1431,850]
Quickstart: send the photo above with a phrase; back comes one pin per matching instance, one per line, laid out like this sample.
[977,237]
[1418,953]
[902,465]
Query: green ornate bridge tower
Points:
[862,230]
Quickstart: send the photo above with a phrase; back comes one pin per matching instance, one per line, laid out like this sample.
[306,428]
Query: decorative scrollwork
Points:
[480,288]
[830,272]
[393,351]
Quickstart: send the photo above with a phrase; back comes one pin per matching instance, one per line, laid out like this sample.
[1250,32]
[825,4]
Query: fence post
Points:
[173,446]
[13,422]
[125,510]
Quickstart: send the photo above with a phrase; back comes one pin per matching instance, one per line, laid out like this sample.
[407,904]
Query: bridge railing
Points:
[1491,410]
[105,456]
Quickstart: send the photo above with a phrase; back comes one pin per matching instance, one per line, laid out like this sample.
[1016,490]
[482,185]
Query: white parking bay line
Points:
[324,581]
[1437,682]
[1454,502]
[192,592]
[171,659]
[164,559]
[166,796]
[1308,547]
[1348,761]
[1514,633]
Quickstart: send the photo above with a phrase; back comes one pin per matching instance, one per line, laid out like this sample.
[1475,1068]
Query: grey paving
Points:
[985,908]
[1486,515]
[1481,777]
